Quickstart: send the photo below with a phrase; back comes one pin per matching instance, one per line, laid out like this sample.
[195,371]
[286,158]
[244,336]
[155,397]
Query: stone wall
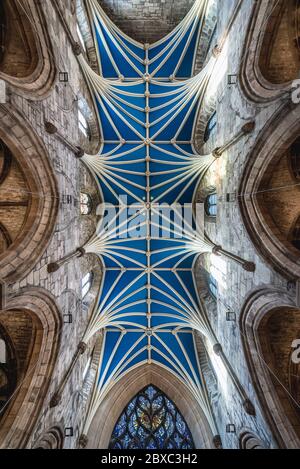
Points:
[71,229]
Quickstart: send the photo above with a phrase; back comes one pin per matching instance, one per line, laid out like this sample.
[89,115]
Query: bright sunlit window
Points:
[86,204]
[211,205]
[80,37]
[86,284]
[218,270]
[87,368]
[82,123]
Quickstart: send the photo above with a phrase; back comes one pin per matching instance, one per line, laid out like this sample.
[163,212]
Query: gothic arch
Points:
[249,440]
[31,156]
[27,61]
[265,311]
[23,409]
[270,51]
[52,439]
[273,142]
[137,379]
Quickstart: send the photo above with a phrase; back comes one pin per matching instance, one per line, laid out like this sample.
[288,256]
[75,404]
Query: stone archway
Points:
[52,439]
[40,189]
[269,324]
[274,141]
[249,440]
[26,60]
[33,321]
[111,408]
[271,50]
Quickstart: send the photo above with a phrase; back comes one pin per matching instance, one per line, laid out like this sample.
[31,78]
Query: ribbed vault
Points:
[148,170]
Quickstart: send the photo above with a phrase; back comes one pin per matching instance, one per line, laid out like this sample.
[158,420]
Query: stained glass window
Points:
[151,421]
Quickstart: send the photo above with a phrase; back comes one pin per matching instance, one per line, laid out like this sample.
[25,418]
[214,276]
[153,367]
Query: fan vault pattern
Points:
[148,101]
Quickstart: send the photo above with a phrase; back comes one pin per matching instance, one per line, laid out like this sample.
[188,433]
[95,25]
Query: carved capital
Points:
[50,128]
[249,407]
[83,441]
[217,152]
[249,266]
[216,50]
[216,250]
[52,267]
[82,346]
[55,400]
[81,252]
[77,49]
[217,442]
[248,128]
[80,153]
[217,348]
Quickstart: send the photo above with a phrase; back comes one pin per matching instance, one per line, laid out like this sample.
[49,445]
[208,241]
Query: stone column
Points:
[248,266]
[51,129]
[55,266]
[247,128]
[56,398]
[247,404]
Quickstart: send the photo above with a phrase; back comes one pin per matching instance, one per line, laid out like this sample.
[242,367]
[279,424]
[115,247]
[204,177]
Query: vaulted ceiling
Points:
[148,99]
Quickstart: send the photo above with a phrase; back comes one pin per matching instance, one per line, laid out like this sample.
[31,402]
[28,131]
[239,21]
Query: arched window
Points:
[80,37]
[86,284]
[86,204]
[210,127]
[295,158]
[213,286]
[83,124]
[211,205]
[151,421]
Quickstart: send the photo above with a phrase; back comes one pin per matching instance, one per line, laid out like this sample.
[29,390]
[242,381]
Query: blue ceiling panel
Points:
[146,165]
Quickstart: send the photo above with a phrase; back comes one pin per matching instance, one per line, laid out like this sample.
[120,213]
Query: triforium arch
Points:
[272,53]
[51,439]
[34,314]
[259,185]
[270,322]
[249,440]
[26,60]
[123,391]
[38,188]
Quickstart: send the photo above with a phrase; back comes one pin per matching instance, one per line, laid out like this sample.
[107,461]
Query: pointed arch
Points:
[151,421]
[271,42]
[23,409]
[273,142]
[31,156]
[272,389]
[137,379]
[27,46]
